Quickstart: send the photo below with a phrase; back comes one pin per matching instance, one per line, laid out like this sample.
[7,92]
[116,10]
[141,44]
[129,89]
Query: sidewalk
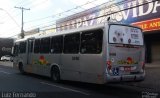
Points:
[152,79]
[7,63]
[151,65]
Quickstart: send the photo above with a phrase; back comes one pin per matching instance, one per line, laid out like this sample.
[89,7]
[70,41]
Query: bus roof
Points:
[36,36]
[70,31]
[73,30]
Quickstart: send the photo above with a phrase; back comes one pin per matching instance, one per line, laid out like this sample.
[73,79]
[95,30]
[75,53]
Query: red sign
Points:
[149,25]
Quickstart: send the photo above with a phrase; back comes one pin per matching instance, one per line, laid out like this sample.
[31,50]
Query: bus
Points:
[97,54]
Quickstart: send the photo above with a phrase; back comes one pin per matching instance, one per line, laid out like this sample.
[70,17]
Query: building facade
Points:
[142,13]
[6,45]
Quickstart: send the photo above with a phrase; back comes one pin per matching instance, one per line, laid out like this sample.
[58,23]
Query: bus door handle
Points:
[75,58]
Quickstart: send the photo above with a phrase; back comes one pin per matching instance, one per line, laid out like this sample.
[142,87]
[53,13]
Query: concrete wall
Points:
[6,46]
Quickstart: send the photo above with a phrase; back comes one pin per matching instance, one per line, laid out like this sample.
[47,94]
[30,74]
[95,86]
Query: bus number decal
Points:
[112,54]
[75,58]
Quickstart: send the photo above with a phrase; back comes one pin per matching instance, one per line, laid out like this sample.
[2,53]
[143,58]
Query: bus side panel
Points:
[23,59]
[92,68]
[42,63]
[71,67]
[53,59]
[35,63]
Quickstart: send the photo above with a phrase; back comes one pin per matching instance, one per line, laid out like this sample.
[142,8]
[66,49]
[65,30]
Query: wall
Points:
[6,46]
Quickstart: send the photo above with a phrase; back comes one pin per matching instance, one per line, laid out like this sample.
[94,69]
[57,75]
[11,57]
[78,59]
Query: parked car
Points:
[6,58]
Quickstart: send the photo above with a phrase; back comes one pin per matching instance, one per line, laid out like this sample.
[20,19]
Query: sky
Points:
[42,13]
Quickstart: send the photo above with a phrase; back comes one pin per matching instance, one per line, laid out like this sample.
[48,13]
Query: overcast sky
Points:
[42,13]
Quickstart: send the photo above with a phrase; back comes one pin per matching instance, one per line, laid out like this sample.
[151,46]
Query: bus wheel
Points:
[21,68]
[55,74]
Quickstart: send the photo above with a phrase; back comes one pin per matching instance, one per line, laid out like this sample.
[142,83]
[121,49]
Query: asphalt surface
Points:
[15,85]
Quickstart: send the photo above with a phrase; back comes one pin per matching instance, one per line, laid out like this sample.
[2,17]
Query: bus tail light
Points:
[109,65]
[143,65]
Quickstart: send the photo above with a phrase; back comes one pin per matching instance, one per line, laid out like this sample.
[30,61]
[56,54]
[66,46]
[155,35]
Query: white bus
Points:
[97,54]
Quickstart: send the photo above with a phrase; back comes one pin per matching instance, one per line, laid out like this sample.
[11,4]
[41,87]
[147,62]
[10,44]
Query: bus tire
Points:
[21,68]
[55,74]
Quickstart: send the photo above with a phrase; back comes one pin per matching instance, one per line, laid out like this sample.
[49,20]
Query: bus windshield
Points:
[121,34]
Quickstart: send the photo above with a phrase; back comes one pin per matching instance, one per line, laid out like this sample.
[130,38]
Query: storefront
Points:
[142,13]
[152,42]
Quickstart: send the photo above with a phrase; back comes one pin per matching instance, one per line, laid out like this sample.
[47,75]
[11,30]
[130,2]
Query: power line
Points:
[10,9]
[81,6]
[10,17]
[35,5]
[52,16]
[66,11]
[105,14]
[21,3]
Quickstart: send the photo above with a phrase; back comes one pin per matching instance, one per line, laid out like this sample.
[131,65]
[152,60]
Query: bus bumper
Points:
[136,77]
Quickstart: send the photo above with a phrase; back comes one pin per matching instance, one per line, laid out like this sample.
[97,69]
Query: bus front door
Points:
[30,67]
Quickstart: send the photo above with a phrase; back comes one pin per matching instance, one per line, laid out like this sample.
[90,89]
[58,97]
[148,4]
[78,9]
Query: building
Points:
[6,45]
[142,13]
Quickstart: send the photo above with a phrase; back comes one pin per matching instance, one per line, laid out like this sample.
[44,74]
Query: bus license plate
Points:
[127,68]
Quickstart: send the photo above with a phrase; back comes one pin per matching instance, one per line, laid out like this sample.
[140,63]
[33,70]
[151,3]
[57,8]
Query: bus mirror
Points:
[108,19]
[52,50]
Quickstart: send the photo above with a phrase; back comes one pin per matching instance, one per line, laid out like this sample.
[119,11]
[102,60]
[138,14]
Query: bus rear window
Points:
[121,34]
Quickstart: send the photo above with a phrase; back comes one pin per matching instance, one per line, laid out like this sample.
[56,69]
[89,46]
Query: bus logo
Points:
[41,61]
[128,61]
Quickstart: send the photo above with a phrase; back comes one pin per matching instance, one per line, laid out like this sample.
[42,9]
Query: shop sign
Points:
[149,25]
[128,12]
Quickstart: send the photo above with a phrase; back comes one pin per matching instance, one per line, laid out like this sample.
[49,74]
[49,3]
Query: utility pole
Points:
[22,31]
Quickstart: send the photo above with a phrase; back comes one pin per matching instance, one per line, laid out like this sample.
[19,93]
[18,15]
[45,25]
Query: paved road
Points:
[14,84]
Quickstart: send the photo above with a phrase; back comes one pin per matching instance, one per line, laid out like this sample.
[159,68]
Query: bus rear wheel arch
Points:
[55,74]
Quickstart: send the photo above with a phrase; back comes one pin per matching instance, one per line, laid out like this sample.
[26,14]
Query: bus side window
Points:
[91,42]
[37,46]
[16,50]
[45,45]
[30,48]
[56,44]
[72,43]
[22,47]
